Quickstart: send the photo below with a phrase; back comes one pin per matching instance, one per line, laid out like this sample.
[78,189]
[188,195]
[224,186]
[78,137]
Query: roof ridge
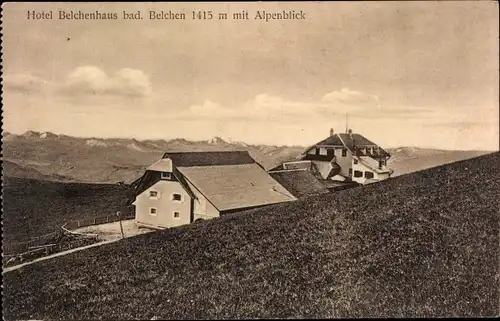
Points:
[343,142]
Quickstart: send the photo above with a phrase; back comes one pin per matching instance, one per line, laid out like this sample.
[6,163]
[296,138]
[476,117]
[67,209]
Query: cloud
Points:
[265,107]
[91,80]
[25,83]
[84,81]
[209,109]
[347,96]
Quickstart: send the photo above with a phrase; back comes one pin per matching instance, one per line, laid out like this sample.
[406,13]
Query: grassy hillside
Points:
[34,207]
[14,170]
[419,245]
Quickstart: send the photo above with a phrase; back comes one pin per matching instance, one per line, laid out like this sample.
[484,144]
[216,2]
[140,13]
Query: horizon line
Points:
[227,142]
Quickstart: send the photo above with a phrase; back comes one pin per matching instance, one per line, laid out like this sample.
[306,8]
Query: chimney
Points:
[350,133]
[331,132]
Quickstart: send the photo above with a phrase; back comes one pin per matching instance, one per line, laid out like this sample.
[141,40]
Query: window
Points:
[176,197]
[344,152]
[153,194]
[355,161]
[166,175]
[368,174]
[358,174]
[152,211]
[177,215]
[323,151]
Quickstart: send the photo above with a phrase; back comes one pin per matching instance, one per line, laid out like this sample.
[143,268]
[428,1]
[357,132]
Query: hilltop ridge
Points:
[110,160]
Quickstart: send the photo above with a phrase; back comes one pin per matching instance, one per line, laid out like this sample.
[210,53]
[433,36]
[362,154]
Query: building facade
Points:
[184,187]
[344,157]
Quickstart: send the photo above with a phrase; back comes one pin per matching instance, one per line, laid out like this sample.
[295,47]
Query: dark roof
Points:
[300,183]
[333,140]
[189,159]
[337,186]
[351,141]
[323,158]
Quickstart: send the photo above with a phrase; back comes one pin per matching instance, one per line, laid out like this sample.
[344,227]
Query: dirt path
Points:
[15,267]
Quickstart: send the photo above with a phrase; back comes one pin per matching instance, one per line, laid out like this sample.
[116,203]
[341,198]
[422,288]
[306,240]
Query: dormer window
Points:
[166,175]
[355,161]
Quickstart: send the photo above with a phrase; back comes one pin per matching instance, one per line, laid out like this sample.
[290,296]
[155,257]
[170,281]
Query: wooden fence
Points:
[18,248]
[73,225]
[44,250]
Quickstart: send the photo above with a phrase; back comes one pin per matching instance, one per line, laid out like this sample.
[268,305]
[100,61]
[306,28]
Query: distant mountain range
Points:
[55,157]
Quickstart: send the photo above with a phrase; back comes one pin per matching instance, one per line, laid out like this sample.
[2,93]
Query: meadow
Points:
[418,245]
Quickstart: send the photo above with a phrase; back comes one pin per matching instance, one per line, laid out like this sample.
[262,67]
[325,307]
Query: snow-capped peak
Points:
[48,135]
[217,141]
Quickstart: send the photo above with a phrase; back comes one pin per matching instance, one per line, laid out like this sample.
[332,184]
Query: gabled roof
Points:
[347,140]
[351,141]
[163,165]
[300,183]
[230,187]
[189,159]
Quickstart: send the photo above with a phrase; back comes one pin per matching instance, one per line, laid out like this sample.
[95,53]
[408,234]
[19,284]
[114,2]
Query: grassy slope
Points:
[424,244]
[34,207]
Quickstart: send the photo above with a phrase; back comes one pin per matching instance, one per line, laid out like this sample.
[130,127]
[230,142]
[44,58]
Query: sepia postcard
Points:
[250,160]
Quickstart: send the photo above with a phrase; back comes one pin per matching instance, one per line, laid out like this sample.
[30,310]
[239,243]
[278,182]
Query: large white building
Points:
[183,187]
[343,157]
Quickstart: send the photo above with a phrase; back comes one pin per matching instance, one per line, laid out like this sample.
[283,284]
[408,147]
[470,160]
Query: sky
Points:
[420,74]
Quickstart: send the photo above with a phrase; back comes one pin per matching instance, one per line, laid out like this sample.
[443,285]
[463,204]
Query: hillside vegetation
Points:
[34,207]
[419,245]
